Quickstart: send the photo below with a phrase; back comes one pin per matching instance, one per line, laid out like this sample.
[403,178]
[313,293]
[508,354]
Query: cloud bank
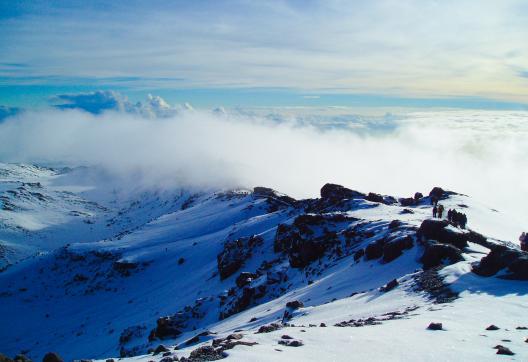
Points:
[480,153]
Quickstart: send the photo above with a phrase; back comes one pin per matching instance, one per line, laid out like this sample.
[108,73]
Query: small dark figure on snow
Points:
[463,221]
[450,215]
[440,210]
[435,210]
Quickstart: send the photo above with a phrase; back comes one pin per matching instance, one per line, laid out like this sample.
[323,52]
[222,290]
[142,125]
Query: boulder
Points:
[245,278]
[435,326]
[303,252]
[206,353]
[492,327]
[235,253]
[168,327]
[435,254]
[337,192]
[269,328]
[372,197]
[407,201]
[294,304]
[394,224]
[374,250]
[394,248]
[52,357]
[389,286]
[503,350]
[291,342]
[501,257]
[161,348]
[438,230]
[437,193]
[418,196]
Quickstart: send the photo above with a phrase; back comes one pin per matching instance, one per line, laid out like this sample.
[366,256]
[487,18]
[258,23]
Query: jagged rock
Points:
[269,328]
[492,328]
[503,350]
[322,325]
[160,348]
[375,198]
[418,196]
[435,254]
[52,357]
[241,303]
[291,342]
[394,224]
[245,278]
[435,326]
[124,267]
[285,336]
[407,201]
[389,286]
[335,192]
[168,327]
[406,211]
[438,230]
[294,304]
[206,353]
[501,257]
[437,193]
[131,332]
[234,254]
[358,254]
[374,250]
[394,248]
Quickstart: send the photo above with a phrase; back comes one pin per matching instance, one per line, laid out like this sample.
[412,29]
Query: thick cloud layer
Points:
[483,154]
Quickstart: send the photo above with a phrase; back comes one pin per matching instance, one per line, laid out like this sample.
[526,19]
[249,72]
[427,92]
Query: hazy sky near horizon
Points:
[404,48]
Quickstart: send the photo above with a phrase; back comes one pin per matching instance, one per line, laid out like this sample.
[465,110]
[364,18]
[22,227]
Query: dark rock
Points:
[503,350]
[337,192]
[235,336]
[206,353]
[52,357]
[291,343]
[295,304]
[406,211]
[358,254]
[244,279]
[407,201]
[374,250]
[435,254]
[435,326]
[285,336]
[372,197]
[389,286]
[110,360]
[492,328]
[181,261]
[437,193]
[269,328]
[322,325]
[521,328]
[432,229]
[234,253]
[394,248]
[418,196]
[394,224]
[160,348]
[501,257]
[168,327]
[124,267]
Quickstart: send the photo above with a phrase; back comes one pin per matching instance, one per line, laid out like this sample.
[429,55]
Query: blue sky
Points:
[464,53]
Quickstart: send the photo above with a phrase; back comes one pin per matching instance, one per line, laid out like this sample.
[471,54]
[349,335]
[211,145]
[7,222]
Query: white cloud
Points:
[404,47]
[479,153]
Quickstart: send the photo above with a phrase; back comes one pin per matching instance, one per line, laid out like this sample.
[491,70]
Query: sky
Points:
[424,53]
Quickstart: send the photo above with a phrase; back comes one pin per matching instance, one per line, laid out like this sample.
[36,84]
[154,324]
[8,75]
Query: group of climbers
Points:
[457,218]
[438,210]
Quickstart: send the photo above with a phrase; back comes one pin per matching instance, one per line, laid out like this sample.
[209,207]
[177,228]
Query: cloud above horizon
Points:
[408,47]
[480,153]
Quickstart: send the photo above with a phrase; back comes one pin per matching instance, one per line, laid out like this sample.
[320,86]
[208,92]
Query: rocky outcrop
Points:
[438,230]
[514,262]
[52,357]
[436,254]
[335,192]
[394,248]
[235,253]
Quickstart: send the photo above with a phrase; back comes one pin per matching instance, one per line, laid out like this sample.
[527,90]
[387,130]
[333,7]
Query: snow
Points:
[52,242]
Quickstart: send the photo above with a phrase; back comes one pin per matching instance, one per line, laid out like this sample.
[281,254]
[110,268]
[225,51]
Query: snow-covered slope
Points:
[98,272]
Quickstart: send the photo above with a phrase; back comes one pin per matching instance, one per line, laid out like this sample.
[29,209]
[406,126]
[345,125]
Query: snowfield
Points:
[252,275]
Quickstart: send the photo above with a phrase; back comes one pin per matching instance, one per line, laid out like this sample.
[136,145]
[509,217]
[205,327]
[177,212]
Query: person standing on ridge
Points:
[435,209]
[440,210]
